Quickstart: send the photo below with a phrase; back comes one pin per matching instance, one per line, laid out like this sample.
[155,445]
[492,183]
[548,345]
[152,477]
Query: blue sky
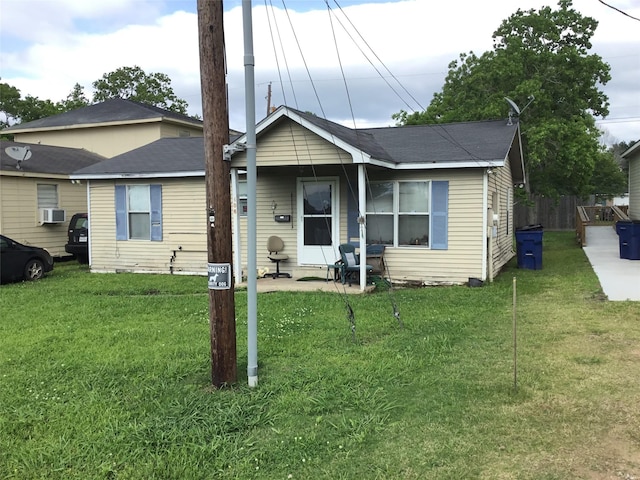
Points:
[46,46]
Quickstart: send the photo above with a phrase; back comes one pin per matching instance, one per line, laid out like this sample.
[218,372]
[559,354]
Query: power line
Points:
[375,55]
[618,120]
[620,11]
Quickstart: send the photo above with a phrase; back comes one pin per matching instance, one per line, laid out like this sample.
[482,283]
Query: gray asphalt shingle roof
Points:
[450,144]
[48,159]
[113,110]
[360,138]
[174,154]
[453,142]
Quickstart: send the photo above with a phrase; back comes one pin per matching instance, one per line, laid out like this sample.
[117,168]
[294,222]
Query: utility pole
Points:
[218,196]
[269,99]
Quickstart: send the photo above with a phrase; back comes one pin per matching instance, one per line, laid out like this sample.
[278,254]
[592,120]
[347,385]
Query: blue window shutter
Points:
[155,192]
[439,217]
[121,212]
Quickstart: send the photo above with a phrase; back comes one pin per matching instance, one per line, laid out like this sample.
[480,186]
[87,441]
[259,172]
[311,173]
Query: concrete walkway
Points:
[619,277]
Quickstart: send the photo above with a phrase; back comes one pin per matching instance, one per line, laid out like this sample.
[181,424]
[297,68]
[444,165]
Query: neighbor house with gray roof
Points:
[108,128]
[97,131]
[37,197]
[438,197]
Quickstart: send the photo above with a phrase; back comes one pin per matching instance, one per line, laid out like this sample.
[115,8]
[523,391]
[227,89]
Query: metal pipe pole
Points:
[515,339]
[252,267]
[362,207]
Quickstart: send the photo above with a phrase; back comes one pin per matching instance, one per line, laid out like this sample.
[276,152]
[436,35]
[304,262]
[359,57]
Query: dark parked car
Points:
[79,237]
[22,262]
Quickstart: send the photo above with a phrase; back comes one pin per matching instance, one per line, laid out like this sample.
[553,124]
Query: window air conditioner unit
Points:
[52,215]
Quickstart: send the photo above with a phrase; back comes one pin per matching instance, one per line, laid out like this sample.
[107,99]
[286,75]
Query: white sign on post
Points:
[219,276]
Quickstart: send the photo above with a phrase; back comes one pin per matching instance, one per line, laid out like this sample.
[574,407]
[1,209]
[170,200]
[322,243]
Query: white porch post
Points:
[362,209]
[235,226]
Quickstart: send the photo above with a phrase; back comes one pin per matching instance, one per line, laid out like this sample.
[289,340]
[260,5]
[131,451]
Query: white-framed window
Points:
[138,212]
[47,195]
[242,197]
[402,212]
[399,212]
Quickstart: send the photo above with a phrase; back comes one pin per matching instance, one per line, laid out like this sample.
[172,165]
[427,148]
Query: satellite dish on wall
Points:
[20,154]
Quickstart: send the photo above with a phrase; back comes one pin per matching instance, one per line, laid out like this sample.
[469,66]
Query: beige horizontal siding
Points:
[20,217]
[463,257]
[183,224]
[462,260]
[107,141]
[634,187]
[281,190]
[287,144]
[174,130]
[499,183]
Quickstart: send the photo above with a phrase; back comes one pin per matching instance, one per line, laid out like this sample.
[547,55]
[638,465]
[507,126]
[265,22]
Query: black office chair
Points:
[275,245]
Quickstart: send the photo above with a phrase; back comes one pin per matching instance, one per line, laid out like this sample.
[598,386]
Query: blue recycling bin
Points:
[529,247]
[629,239]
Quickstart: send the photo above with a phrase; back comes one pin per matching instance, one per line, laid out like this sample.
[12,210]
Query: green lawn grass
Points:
[108,377]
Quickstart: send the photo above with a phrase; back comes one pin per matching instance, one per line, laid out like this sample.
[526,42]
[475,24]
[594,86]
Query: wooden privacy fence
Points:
[567,213]
[552,215]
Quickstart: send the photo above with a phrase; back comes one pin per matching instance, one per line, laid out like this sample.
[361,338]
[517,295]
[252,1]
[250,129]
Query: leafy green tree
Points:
[75,99]
[33,108]
[15,109]
[9,100]
[126,82]
[617,150]
[134,84]
[541,55]
[608,179]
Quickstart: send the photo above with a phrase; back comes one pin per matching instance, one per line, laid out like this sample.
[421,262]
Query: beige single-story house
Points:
[108,128]
[633,155]
[37,197]
[439,197]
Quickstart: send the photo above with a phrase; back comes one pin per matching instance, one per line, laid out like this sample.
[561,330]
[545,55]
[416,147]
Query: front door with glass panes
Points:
[318,234]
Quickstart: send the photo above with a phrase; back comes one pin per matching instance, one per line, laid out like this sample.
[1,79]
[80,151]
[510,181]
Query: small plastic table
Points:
[337,270]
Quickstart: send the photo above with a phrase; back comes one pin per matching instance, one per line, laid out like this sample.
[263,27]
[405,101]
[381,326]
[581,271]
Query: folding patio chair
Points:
[350,270]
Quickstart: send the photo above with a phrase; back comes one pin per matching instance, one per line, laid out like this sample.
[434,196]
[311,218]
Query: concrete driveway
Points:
[619,277]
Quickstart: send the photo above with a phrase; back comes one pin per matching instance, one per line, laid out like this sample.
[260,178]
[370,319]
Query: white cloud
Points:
[75,41]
